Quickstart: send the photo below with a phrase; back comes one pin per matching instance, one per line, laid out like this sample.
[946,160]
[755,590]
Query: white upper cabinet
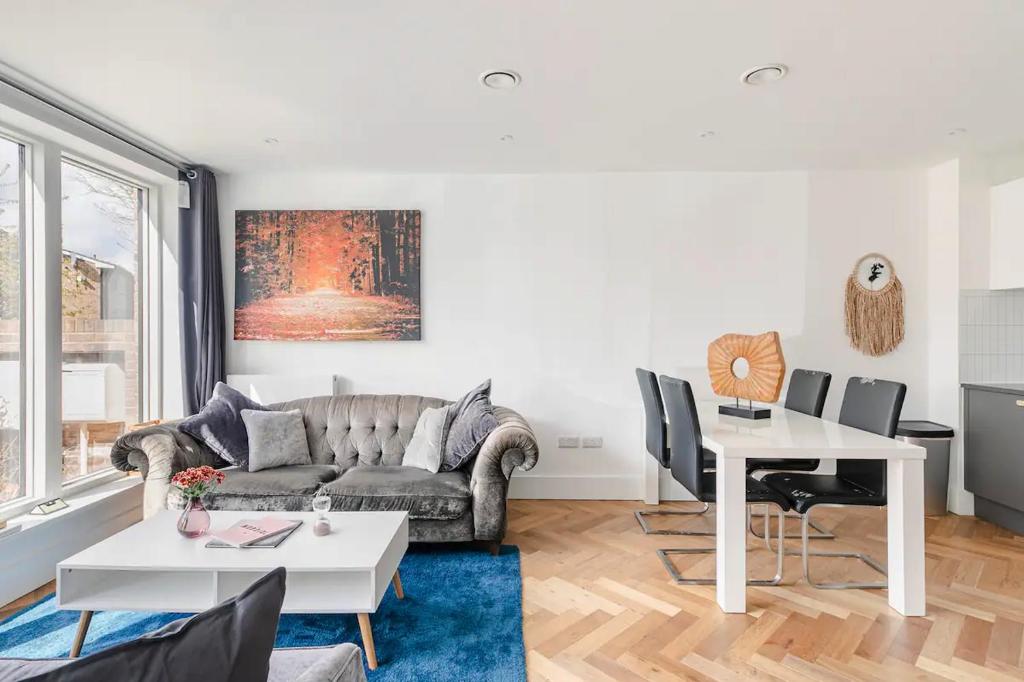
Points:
[1007,215]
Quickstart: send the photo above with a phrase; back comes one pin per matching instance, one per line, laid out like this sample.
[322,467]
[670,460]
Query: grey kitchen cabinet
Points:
[994,452]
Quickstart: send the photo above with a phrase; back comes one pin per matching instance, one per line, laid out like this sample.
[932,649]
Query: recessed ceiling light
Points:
[500,79]
[957,132]
[765,73]
[507,138]
[706,134]
[271,140]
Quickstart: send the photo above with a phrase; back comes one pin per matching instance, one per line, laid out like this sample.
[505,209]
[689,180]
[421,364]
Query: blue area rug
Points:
[461,619]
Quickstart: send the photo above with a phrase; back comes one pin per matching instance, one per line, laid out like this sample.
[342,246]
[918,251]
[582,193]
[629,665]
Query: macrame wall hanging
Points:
[874,306]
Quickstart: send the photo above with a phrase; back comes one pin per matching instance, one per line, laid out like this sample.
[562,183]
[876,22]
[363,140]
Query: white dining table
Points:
[795,435]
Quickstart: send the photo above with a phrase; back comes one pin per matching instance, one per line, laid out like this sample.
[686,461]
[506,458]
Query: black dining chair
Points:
[656,435]
[806,394]
[868,404]
[686,465]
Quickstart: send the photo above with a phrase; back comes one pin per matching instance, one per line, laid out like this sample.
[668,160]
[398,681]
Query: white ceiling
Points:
[391,85]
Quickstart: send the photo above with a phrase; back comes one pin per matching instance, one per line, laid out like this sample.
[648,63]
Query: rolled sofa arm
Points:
[509,446]
[159,452]
[341,663]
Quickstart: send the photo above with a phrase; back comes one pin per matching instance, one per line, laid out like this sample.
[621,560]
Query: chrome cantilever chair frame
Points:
[680,579]
[822,534]
[640,514]
[806,554]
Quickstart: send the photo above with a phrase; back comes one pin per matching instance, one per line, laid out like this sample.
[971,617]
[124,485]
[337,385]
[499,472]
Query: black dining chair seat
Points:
[708,458]
[806,394]
[803,491]
[772,464]
[757,492]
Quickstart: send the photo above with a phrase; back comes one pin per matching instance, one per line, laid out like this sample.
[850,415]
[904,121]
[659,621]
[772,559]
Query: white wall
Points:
[557,286]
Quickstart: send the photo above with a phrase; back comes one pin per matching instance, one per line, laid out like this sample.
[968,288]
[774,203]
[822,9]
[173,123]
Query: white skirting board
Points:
[526,487]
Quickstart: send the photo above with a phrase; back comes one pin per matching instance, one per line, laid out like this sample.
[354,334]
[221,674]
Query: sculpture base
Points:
[745,412]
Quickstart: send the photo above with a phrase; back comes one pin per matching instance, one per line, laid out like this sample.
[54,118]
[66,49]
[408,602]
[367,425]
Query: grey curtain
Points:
[202,292]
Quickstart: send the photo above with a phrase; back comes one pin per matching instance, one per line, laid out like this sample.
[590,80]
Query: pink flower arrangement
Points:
[197,481]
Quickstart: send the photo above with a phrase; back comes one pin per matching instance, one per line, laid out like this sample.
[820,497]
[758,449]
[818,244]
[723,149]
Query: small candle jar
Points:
[322,505]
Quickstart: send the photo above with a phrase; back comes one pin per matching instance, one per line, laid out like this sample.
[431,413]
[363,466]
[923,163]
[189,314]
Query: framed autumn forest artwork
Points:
[327,275]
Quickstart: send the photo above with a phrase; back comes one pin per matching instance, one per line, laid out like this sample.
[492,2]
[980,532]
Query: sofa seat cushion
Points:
[288,488]
[442,496]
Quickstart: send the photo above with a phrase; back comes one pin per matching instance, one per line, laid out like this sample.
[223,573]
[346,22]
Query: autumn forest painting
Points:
[327,275]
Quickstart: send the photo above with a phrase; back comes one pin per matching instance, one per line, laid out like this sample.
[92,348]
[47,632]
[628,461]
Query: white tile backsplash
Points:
[992,335]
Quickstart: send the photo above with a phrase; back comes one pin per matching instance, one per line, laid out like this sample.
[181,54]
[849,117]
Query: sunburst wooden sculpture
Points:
[763,381]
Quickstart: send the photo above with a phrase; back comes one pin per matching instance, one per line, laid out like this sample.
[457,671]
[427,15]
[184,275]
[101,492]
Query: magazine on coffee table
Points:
[266,532]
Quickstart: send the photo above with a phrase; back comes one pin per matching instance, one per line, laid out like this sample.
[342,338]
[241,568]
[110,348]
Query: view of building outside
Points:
[99,297]
[12,464]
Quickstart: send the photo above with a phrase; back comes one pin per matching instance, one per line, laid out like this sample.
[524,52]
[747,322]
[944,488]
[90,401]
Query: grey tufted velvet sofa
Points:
[357,443]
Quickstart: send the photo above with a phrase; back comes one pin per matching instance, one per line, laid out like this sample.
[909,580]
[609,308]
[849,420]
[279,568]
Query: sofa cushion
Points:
[424,495]
[219,424]
[470,421]
[288,488]
[286,480]
[425,449]
[276,439]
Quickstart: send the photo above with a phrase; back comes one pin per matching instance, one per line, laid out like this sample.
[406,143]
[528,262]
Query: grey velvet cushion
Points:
[219,424]
[288,488]
[425,450]
[471,420]
[424,495]
[229,643]
[276,439]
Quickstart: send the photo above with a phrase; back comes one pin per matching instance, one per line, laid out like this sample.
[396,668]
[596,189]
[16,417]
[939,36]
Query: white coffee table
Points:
[150,567]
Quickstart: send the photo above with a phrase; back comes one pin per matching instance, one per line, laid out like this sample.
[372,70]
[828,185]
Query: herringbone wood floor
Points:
[598,605]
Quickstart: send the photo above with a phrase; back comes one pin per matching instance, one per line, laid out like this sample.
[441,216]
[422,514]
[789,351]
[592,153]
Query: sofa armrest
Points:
[509,446]
[159,452]
[341,663]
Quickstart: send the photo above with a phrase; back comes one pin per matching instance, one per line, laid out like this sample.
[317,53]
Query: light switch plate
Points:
[568,441]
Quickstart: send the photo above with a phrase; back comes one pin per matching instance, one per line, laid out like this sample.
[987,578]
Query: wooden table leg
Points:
[397,582]
[83,628]
[367,633]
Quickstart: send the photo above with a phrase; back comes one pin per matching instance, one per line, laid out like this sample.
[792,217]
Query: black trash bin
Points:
[935,438]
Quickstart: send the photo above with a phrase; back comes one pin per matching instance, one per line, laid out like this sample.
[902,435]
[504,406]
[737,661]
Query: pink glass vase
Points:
[195,520]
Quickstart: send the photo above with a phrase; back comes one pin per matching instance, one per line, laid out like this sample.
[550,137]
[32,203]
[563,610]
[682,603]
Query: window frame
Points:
[143,222]
[41,215]
[24,178]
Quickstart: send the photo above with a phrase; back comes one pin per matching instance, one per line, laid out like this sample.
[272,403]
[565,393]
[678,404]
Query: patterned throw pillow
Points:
[219,424]
[471,420]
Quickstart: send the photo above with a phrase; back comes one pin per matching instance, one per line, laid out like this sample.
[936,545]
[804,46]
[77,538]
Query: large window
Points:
[102,216]
[13,466]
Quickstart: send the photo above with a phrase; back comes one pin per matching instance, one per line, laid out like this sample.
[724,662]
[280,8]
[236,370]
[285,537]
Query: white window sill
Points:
[78,502]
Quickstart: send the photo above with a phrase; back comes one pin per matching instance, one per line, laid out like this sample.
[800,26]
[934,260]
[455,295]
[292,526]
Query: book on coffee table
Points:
[268,531]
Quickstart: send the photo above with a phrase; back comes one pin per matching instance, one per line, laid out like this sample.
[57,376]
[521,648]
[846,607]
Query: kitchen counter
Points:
[1013,389]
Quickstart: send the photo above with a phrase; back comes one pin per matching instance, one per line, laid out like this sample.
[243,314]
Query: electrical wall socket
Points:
[593,442]
[568,441]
